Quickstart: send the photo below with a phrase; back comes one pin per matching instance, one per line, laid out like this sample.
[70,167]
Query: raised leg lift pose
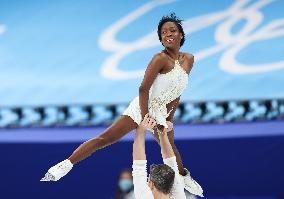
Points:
[165,78]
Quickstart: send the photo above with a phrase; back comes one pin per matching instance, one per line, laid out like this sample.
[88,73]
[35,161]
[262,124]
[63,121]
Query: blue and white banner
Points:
[58,52]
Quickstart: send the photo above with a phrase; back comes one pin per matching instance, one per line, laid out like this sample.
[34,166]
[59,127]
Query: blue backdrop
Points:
[225,164]
[57,52]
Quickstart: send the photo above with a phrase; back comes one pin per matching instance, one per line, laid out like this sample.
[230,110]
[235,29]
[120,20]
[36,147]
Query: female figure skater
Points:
[165,79]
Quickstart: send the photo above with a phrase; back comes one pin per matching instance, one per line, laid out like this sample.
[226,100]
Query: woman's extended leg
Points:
[112,134]
[117,130]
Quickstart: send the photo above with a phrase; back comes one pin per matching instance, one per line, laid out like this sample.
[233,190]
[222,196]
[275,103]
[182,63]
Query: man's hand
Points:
[147,123]
[166,130]
[159,128]
[170,127]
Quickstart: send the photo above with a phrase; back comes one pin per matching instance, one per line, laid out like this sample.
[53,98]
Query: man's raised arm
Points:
[166,147]
[141,189]
[139,141]
[169,159]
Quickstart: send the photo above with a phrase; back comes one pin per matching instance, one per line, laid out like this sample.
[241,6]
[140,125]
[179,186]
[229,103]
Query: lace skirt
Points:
[158,113]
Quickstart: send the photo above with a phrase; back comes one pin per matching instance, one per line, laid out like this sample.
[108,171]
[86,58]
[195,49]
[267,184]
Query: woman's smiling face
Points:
[171,37]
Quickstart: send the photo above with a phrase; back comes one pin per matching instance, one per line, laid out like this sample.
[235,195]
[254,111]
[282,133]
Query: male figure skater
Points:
[164,181]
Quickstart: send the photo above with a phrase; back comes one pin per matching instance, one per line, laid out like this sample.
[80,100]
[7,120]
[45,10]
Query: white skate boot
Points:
[191,185]
[58,171]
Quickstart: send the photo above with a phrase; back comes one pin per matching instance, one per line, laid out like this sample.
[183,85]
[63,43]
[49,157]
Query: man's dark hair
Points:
[163,177]
[171,18]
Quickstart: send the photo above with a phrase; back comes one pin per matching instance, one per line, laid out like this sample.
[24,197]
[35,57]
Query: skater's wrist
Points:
[147,123]
[141,129]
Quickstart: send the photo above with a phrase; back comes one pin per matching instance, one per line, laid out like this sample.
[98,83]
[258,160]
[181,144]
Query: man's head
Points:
[161,178]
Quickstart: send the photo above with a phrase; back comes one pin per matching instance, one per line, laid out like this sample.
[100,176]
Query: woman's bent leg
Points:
[112,134]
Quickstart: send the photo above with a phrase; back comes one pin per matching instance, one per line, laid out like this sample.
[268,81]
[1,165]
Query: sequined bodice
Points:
[166,88]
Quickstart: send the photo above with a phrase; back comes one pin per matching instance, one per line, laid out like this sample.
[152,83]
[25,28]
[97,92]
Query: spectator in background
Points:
[125,185]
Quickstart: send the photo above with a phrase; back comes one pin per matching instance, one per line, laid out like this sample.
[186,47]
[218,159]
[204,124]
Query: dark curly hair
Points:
[171,18]
[163,177]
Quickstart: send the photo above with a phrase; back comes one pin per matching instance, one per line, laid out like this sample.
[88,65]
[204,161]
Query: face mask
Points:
[125,184]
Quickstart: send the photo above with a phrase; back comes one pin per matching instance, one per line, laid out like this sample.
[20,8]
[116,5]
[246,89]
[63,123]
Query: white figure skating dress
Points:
[166,88]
